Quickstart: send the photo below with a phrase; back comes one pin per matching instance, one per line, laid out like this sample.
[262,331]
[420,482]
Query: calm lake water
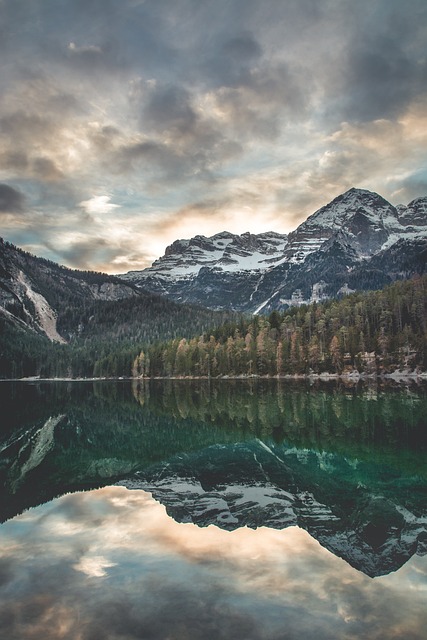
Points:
[233,509]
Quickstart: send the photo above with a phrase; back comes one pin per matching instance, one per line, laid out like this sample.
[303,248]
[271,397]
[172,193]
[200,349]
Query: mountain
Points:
[34,291]
[56,321]
[358,241]
[257,484]
[209,271]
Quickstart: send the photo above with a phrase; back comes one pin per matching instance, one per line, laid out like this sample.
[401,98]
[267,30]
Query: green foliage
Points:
[375,332]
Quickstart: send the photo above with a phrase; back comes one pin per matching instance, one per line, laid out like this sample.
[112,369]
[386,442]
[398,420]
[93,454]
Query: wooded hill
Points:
[103,321]
[112,332]
[371,333]
[106,337]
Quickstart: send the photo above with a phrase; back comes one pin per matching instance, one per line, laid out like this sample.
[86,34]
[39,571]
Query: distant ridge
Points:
[358,241]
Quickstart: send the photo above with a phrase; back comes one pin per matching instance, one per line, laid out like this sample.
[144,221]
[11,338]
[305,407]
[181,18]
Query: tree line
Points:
[371,333]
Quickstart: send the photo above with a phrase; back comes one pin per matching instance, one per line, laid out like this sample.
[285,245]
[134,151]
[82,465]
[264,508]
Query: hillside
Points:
[371,333]
[56,321]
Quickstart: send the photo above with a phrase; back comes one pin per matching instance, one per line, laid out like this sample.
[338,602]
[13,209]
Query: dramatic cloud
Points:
[11,200]
[142,115]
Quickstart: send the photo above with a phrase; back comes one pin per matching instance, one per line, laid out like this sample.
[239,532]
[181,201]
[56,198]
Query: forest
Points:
[369,333]
[103,320]
[103,337]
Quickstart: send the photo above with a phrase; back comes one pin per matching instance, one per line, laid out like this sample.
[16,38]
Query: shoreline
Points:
[396,376]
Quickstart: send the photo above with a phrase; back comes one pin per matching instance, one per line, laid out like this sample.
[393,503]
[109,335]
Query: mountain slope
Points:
[34,291]
[349,244]
[372,333]
[58,322]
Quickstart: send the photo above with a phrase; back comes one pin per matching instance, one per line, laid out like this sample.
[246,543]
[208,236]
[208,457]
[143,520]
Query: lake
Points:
[255,509]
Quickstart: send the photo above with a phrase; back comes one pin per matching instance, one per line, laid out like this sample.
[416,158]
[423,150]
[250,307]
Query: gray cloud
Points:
[11,200]
[15,161]
[46,170]
[20,125]
[149,157]
[377,64]
[229,62]
[80,253]
[6,571]
[169,108]
[94,60]
[412,186]
[98,253]
[382,79]
[179,144]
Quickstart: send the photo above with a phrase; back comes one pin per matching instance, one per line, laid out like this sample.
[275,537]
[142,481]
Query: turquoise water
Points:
[221,510]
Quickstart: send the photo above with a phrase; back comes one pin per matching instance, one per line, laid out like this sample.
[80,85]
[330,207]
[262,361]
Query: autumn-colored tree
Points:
[335,353]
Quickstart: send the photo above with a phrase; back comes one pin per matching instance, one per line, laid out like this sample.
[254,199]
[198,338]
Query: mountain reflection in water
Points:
[348,465]
[111,564]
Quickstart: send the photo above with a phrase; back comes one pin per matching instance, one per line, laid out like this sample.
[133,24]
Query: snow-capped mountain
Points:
[331,253]
[366,218]
[211,271]
[225,251]
[255,484]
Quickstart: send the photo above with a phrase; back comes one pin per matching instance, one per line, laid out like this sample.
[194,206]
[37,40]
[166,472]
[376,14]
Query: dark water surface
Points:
[240,510]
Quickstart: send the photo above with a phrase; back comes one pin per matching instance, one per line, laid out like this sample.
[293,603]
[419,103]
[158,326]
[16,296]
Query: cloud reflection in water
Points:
[111,564]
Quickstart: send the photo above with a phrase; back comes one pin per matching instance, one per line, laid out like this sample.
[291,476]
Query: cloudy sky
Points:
[126,124]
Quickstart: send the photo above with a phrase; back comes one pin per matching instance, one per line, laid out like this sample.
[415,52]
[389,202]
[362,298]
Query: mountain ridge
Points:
[358,241]
[262,272]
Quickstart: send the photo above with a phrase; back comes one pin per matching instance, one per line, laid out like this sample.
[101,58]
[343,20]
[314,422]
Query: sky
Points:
[127,124]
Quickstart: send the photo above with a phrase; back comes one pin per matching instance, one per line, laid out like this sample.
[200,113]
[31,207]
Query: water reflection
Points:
[111,564]
[346,464]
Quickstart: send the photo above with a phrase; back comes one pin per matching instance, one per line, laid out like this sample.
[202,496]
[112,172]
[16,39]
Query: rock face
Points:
[218,272]
[373,529]
[358,241]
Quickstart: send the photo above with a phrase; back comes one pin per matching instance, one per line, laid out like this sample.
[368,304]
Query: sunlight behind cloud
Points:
[98,204]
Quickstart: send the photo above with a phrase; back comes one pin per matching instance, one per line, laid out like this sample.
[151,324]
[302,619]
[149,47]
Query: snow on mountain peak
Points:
[364,215]
[250,271]
[349,204]
[415,213]
[225,251]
